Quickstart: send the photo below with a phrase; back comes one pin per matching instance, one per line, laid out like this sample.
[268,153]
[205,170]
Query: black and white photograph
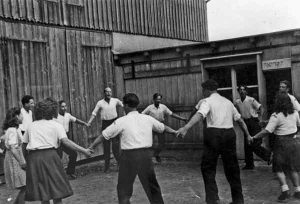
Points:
[149,101]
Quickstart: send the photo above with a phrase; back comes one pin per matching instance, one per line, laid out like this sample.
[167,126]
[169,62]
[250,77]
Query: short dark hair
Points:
[61,101]
[156,95]
[26,99]
[287,83]
[283,104]
[46,109]
[210,85]
[131,99]
[242,85]
[11,119]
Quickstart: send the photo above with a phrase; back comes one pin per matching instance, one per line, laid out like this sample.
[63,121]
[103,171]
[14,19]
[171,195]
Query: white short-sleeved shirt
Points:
[108,111]
[281,125]
[157,113]
[27,119]
[65,120]
[44,134]
[219,111]
[295,102]
[248,108]
[13,137]
[135,130]
[199,104]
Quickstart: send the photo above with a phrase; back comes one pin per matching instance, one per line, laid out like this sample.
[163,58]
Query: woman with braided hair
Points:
[46,179]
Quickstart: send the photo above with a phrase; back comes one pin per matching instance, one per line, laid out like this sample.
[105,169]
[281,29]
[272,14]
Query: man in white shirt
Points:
[249,109]
[159,111]
[65,119]
[219,139]
[285,86]
[136,141]
[26,110]
[108,112]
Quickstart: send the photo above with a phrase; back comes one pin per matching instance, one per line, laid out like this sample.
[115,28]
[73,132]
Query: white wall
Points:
[131,43]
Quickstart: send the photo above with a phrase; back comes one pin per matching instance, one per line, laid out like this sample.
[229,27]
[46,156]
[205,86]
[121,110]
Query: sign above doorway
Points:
[276,64]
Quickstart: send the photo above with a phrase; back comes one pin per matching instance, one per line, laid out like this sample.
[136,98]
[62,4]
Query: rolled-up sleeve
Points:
[112,131]
[96,109]
[272,124]
[204,108]
[146,111]
[119,103]
[255,104]
[167,111]
[236,114]
[157,126]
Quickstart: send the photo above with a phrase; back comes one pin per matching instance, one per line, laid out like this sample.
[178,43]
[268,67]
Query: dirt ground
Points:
[180,178]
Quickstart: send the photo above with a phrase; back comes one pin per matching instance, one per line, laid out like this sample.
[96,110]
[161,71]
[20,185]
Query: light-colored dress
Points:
[15,176]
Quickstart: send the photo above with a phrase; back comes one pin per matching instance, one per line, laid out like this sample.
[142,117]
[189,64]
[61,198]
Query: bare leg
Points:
[57,201]
[295,178]
[282,178]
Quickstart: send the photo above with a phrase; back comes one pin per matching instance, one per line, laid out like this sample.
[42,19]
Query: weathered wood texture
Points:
[180,19]
[55,62]
[179,85]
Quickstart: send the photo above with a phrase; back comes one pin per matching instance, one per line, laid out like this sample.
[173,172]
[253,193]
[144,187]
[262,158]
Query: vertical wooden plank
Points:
[146,17]
[197,20]
[7,8]
[14,9]
[118,16]
[33,11]
[105,18]
[130,16]
[109,14]
[100,14]
[134,16]
[122,15]
[95,14]
[2,64]
[168,26]
[90,9]
[114,15]
[138,16]
[201,16]
[127,16]
[1,10]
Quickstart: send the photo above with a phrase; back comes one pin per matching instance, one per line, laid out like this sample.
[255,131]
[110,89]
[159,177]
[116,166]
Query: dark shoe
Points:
[248,168]
[72,176]
[284,197]
[296,195]
[158,159]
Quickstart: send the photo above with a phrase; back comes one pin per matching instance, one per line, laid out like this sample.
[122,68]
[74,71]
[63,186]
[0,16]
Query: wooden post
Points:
[233,84]
[204,72]
[261,84]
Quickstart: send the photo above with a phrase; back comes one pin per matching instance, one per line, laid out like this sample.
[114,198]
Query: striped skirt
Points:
[45,176]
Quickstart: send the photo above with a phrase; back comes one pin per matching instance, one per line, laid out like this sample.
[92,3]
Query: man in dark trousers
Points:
[108,111]
[135,131]
[219,139]
[250,109]
[64,118]
[159,111]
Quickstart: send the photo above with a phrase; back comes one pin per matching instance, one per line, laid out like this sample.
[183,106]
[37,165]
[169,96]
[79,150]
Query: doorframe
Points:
[260,76]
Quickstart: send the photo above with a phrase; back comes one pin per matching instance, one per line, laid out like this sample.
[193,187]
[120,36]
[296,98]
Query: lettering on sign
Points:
[277,64]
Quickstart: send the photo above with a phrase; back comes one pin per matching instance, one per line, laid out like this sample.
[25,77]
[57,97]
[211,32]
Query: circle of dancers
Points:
[34,148]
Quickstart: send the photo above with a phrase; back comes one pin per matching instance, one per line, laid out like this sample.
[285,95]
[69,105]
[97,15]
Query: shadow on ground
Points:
[179,176]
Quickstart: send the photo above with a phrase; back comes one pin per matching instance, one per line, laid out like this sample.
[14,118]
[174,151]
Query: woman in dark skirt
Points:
[286,159]
[45,176]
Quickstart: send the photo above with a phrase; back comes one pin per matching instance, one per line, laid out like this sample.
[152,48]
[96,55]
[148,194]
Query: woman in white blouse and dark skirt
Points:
[286,160]
[45,176]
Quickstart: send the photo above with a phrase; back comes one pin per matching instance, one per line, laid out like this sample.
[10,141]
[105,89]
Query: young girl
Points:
[46,178]
[14,162]
[286,159]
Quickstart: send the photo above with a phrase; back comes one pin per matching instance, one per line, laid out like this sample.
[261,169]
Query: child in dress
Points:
[45,176]
[286,159]
[14,162]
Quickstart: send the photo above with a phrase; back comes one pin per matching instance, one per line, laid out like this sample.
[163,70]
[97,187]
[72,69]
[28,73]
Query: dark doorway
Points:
[272,85]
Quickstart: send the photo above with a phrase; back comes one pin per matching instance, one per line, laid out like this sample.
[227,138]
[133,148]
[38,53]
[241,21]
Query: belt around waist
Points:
[286,136]
[137,149]
[39,150]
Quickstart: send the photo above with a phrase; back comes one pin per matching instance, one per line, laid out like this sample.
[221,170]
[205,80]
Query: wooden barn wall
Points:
[59,63]
[179,82]
[180,19]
